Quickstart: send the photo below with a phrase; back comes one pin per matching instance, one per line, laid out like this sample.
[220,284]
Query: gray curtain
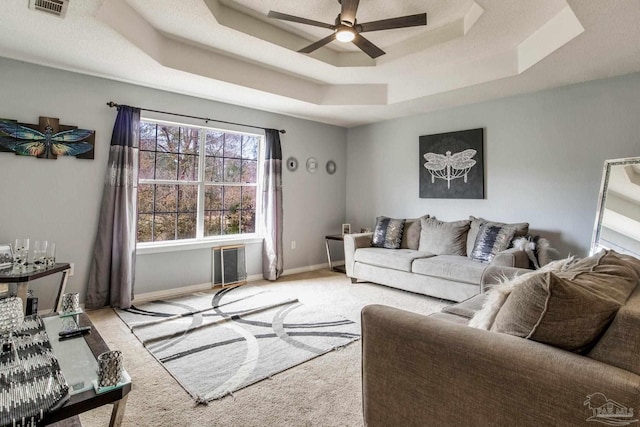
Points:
[272,207]
[112,270]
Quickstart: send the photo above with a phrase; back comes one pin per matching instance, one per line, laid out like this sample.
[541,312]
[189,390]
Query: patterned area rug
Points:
[214,343]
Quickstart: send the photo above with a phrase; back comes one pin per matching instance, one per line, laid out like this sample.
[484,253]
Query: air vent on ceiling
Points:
[54,7]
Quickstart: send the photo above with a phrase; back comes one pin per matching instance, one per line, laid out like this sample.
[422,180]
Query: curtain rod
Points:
[206,119]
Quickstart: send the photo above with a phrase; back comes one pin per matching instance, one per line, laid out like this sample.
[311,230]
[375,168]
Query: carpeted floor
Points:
[325,391]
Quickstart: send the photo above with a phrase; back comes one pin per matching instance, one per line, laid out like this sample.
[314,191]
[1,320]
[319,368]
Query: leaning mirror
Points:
[617,224]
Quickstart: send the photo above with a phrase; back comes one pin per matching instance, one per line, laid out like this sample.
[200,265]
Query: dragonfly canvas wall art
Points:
[452,165]
[46,140]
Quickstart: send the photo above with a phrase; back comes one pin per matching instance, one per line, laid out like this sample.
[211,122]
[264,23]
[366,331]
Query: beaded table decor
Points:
[32,384]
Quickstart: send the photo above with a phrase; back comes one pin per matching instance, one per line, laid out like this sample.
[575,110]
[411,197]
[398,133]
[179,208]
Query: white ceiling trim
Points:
[557,32]
[203,61]
[182,56]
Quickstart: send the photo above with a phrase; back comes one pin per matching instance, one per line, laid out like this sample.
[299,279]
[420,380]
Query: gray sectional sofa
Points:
[575,363]
[420,266]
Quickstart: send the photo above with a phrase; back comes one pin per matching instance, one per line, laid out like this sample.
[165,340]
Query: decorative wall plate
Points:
[331,167]
[292,164]
[312,165]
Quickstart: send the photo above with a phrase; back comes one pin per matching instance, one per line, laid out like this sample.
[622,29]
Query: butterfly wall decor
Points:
[46,140]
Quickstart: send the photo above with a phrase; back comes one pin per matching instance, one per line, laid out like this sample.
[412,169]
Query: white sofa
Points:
[451,277]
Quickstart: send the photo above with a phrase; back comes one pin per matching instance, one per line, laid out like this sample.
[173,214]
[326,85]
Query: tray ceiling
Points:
[228,50]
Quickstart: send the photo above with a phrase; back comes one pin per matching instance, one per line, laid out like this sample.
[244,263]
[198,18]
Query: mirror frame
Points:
[597,228]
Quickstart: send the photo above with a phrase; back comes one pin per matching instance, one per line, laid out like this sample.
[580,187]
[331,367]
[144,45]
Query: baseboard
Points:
[171,293]
[305,269]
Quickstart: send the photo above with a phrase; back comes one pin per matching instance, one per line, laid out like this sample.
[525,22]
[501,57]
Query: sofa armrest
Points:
[351,243]
[419,371]
[511,257]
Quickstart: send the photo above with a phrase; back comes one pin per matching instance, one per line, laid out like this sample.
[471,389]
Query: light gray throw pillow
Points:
[569,309]
[443,238]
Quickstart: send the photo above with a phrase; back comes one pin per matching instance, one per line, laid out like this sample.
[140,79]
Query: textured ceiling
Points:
[230,51]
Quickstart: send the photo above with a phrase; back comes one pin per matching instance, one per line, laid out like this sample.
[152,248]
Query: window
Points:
[196,182]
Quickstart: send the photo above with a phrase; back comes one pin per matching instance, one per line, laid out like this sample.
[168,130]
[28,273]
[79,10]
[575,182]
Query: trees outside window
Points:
[196,182]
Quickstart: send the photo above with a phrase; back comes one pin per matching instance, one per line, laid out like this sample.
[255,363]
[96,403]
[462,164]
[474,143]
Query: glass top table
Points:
[78,361]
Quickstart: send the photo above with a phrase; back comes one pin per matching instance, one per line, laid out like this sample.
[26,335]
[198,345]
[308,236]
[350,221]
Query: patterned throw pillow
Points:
[491,239]
[522,228]
[388,233]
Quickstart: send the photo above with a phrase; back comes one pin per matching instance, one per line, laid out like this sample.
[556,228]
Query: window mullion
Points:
[201,187]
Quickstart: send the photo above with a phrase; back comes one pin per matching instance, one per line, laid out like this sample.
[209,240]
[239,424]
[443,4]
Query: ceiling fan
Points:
[347,29]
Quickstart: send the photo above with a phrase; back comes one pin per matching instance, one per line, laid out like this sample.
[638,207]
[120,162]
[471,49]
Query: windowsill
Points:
[189,245]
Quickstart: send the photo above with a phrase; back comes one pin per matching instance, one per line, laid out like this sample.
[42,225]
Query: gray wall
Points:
[544,154]
[59,199]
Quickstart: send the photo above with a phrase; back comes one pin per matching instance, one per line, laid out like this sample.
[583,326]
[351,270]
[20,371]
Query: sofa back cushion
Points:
[620,344]
[522,228]
[388,233]
[411,233]
[443,238]
[570,309]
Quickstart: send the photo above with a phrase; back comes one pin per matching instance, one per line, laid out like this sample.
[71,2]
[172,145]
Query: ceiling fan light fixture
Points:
[345,34]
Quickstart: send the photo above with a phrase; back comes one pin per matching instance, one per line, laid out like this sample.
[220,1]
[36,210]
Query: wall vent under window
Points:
[228,266]
[53,7]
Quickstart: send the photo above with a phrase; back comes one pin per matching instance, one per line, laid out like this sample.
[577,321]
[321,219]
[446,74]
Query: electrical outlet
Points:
[293,244]
[72,268]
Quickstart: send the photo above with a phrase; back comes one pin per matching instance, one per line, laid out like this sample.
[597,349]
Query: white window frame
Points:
[201,241]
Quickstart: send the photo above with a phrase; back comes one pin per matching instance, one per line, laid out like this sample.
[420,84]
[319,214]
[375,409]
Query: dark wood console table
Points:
[23,276]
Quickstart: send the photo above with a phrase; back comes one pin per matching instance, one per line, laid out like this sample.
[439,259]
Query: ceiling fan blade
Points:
[291,18]
[367,47]
[318,44]
[391,23]
[348,11]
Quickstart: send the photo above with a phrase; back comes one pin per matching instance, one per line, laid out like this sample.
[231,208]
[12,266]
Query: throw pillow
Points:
[522,228]
[443,238]
[568,310]
[604,260]
[388,233]
[498,294]
[411,233]
[491,239]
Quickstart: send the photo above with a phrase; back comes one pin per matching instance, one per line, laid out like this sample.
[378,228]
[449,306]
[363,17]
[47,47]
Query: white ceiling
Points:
[227,50]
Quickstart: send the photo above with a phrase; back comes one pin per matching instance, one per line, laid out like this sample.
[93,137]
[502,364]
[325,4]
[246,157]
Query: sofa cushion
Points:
[388,233]
[411,233]
[569,310]
[498,294]
[618,346]
[522,228]
[451,267]
[468,307]
[443,238]
[398,259]
[492,238]
[604,260]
